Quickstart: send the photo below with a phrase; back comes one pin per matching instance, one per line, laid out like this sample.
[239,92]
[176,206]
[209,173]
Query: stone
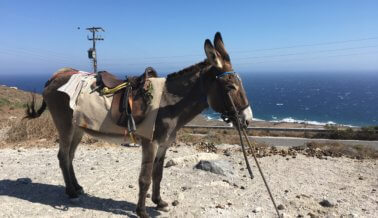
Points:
[191,159]
[131,186]
[210,166]
[326,203]
[227,153]
[280,207]
[170,163]
[257,210]
[148,195]
[312,215]
[175,203]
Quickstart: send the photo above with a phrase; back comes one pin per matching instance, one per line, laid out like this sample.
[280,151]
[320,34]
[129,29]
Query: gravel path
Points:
[31,185]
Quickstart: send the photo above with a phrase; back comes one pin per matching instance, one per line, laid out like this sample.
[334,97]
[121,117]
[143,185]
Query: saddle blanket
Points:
[92,110]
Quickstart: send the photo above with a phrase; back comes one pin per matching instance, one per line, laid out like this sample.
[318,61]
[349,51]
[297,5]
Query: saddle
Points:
[131,97]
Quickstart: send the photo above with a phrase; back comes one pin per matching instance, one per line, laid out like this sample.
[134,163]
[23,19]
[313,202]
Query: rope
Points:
[254,156]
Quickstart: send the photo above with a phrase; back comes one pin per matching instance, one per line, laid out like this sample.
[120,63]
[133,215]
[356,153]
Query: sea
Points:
[314,98]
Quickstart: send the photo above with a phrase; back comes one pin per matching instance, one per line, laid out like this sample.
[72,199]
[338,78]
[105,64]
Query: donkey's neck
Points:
[185,95]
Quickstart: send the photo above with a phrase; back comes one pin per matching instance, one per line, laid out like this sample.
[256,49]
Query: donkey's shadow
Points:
[55,197]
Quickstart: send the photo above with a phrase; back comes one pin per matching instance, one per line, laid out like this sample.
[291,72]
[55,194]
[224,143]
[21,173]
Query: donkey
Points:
[186,94]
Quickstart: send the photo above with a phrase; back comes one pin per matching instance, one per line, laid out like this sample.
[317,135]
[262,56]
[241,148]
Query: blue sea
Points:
[318,98]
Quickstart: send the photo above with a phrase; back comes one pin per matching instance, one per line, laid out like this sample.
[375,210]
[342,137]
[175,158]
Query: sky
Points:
[41,36]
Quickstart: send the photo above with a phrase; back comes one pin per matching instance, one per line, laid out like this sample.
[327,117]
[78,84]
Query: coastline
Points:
[202,120]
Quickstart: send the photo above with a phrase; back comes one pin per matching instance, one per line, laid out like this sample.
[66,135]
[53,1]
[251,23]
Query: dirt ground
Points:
[31,184]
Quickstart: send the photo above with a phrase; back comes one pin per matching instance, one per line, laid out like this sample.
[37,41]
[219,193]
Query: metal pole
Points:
[94,50]
[93,30]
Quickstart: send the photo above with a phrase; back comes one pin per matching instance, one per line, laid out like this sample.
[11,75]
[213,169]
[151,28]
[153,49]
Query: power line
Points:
[312,58]
[307,45]
[262,49]
[256,57]
[310,52]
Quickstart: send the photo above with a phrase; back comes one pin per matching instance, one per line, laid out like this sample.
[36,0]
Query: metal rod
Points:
[262,175]
[237,120]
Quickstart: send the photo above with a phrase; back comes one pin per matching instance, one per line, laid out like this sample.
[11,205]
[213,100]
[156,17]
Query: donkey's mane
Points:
[192,69]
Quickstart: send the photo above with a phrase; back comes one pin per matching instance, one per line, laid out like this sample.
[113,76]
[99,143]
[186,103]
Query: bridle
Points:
[231,113]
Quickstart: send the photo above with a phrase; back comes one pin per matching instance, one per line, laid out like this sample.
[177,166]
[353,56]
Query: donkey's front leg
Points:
[148,156]
[157,175]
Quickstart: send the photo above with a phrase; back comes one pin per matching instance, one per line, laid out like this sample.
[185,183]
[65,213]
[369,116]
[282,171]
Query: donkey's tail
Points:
[31,112]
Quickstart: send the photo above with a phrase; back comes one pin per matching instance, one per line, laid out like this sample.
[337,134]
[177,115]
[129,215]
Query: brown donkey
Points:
[186,94]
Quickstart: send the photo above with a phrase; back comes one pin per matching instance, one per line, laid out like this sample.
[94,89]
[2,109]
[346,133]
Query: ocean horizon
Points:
[313,98]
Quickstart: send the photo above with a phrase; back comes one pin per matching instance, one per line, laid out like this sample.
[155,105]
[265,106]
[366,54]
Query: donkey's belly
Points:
[110,138]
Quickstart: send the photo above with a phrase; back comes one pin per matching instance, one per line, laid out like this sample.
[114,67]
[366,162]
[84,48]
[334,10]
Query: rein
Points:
[233,115]
[242,127]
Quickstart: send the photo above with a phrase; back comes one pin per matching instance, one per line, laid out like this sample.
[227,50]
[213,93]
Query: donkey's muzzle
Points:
[246,116]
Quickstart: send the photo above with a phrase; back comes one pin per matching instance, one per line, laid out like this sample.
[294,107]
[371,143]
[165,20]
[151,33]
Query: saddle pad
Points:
[92,110]
[73,87]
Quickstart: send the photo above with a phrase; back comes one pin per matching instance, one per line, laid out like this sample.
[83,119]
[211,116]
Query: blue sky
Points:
[261,36]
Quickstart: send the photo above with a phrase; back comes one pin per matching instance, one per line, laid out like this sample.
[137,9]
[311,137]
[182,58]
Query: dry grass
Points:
[41,128]
[335,149]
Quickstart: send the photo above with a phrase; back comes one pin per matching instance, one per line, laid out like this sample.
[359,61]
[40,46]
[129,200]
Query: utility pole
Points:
[92,51]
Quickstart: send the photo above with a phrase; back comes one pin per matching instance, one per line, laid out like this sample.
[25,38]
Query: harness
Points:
[228,115]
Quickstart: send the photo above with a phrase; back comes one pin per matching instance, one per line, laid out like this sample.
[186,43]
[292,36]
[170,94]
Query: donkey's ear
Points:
[219,46]
[212,55]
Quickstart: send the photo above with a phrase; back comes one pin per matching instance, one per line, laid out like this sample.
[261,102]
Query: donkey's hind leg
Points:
[157,175]
[77,136]
[64,161]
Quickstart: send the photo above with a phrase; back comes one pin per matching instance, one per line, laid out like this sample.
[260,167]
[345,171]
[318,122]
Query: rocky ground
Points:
[31,184]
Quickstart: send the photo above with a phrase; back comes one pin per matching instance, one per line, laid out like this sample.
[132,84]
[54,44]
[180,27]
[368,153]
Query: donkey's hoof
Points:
[159,202]
[80,191]
[75,200]
[142,214]
[72,194]
[164,209]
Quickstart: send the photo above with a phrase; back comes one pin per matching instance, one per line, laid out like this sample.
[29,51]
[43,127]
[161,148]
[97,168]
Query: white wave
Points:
[287,120]
[257,119]
[216,117]
[312,122]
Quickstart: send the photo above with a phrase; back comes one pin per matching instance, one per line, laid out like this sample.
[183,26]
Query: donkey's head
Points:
[225,90]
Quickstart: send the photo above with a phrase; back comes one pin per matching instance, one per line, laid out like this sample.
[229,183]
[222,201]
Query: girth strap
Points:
[125,107]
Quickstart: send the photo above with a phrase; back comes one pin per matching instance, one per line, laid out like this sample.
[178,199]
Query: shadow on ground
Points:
[55,197]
